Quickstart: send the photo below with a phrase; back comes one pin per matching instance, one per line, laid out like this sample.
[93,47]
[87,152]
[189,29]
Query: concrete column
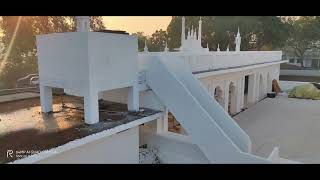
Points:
[238,95]
[162,123]
[46,98]
[252,86]
[243,86]
[91,108]
[133,98]
[257,93]
[226,95]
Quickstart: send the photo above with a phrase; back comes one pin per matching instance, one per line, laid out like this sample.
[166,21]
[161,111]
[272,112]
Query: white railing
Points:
[206,61]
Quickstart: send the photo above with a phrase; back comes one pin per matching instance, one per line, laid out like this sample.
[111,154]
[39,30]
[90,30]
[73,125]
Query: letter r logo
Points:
[9,153]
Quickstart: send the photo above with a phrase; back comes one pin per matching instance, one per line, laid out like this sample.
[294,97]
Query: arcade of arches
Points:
[234,95]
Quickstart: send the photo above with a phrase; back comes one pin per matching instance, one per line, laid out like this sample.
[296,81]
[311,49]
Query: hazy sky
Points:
[131,24]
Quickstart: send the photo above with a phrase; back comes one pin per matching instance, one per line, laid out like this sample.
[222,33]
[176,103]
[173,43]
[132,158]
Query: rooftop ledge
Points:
[203,62]
[24,128]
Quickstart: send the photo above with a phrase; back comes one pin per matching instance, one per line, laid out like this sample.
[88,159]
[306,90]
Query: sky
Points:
[132,24]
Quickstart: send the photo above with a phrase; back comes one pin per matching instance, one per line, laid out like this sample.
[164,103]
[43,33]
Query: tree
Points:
[20,56]
[157,41]
[304,35]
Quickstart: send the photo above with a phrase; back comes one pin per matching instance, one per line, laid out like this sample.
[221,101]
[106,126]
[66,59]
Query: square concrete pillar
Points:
[226,95]
[46,99]
[239,94]
[162,123]
[91,108]
[242,93]
[252,86]
[133,98]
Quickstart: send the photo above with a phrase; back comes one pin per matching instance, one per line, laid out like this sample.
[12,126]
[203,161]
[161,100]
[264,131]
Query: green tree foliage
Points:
[157,41]
[22,58]
[304,35]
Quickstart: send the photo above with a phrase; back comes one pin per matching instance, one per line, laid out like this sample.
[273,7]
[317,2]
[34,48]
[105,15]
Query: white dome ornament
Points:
[145,46]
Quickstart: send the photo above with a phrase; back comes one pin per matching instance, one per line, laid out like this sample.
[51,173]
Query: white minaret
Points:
[238,40]
[200,31]
[218,49]
[208,47]
[183,30]
[145,46]
[166,49]
[192,33]
[83,23]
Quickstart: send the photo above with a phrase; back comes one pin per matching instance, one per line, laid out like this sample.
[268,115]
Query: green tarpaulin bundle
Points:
[307,91]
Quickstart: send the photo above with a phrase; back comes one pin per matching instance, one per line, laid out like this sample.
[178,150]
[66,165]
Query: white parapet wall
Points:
[212,60]
[118,148]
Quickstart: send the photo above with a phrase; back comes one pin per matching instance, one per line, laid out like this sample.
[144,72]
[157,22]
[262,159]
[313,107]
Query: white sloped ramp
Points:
[213,108]
[219,138]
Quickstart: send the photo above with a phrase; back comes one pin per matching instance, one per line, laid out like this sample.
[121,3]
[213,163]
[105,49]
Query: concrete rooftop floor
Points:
[24,127]
[291,124]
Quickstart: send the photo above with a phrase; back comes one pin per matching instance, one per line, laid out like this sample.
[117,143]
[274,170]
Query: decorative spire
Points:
[200,31]
[218,49]
[166,49]
[145,46]
[192,33]
[208,47]
[228,48]
[183,31]
[238,40]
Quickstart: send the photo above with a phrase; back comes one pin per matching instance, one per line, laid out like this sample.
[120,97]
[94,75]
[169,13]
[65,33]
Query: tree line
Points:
[293,34]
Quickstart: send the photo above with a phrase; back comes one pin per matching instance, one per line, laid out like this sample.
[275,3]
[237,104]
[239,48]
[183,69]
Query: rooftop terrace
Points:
[24,127]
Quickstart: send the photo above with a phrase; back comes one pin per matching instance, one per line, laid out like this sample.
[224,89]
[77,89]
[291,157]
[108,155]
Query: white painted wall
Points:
[118,148]
[86,63]
[215,60]
[300,72]
[63,60]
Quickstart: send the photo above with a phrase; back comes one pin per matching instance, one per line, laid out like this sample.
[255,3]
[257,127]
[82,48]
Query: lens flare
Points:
[5,59]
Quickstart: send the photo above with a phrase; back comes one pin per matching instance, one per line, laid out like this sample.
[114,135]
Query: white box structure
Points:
[87,63]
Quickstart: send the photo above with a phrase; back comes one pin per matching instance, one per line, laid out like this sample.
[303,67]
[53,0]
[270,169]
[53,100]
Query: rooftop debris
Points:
[307,91]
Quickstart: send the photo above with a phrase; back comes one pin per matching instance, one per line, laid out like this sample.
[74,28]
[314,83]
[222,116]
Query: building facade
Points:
[201,88]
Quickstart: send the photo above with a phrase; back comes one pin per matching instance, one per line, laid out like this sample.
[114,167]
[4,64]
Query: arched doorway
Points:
[261,88]
[232,99]
[218,95]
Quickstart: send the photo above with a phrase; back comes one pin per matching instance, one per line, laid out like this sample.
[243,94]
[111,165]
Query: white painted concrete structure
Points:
[199,87]
[87,63]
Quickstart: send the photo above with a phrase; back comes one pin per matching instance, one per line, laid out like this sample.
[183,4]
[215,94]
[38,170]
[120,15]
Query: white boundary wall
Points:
[117,148]
[117,145]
